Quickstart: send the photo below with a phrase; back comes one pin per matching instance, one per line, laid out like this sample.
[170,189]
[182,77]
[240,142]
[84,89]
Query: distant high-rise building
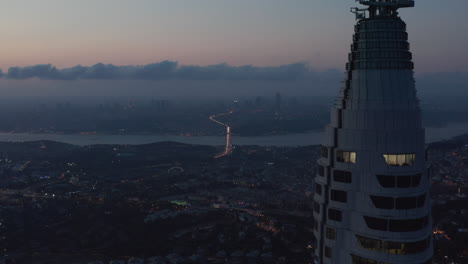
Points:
[371,202]
[278,103]
[258,101]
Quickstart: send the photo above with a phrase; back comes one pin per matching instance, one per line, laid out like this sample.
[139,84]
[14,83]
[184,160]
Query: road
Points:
[228,149]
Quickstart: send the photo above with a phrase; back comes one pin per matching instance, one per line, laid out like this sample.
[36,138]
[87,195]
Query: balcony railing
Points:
[389,3]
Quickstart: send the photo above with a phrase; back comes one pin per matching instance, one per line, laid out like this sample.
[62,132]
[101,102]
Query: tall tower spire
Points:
[371,202]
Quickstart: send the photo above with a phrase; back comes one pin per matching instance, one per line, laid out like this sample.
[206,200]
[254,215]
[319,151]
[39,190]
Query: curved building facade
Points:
[371,202]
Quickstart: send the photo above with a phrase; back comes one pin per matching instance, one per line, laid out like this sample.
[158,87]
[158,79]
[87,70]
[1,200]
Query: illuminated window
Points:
[352,157]
[400,159]
[335,215]
[330,233]
[346,156]
[338,196]
[328,252]
[342,176]
[396,248]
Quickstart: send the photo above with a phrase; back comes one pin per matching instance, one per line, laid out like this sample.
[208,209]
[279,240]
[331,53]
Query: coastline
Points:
[296,139]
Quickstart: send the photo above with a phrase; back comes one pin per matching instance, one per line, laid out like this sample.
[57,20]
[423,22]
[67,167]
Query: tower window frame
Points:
[383,202]
[328,252]
[396,225]
[394,247]
[318,188]
[330,233]
[324,151]
[316,207]
[316,224]
[399,203]
[361,260]
[346,156]
[338,196]
[400,181]
[321,171]
[342,176]
[335,215]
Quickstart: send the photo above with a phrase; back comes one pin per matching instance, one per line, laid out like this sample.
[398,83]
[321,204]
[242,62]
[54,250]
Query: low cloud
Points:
[296,76]
[166,70]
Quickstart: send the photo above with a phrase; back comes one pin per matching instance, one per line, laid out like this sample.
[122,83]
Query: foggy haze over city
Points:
[211,81]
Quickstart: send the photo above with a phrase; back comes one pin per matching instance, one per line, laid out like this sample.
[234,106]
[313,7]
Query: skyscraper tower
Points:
[371,202]
[278,103]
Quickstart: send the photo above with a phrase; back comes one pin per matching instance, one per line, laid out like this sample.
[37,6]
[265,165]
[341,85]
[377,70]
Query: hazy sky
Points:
[202,32]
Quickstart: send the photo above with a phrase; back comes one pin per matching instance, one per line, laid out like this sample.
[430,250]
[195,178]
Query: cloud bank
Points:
[165,70]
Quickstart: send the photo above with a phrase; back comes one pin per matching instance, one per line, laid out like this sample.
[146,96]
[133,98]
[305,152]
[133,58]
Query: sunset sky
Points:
[202,32]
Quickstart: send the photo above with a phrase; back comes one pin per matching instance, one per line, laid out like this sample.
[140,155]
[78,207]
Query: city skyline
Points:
[207,32]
